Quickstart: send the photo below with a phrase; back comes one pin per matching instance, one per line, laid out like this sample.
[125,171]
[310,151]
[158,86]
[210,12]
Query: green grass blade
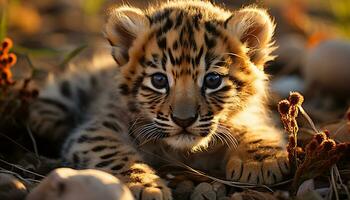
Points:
[3,23]
[38,52]
[71,55]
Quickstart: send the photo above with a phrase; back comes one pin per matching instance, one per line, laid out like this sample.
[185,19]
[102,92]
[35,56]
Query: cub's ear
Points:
[123,25]
[254,28]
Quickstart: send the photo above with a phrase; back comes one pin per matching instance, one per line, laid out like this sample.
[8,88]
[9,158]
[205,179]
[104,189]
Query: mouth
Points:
[185,132]
[186,140]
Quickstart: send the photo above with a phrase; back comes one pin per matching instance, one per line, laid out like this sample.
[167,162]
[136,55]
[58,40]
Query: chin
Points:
[188,142]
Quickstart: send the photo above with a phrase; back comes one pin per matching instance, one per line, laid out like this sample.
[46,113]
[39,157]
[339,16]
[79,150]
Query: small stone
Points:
[252,194]
[11,188]
[220,190]
[224,198]
[183,190]
[92,184]
[203,191]
[305,187]
[237,196]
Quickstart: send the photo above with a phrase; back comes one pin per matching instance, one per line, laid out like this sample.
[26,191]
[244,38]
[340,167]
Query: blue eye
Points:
[159,81]
[212,80]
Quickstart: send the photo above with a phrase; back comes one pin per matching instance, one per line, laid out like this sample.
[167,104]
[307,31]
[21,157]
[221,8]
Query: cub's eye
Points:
[159,81]
[212,80]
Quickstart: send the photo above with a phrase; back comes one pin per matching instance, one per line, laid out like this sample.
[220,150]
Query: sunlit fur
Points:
[185,40]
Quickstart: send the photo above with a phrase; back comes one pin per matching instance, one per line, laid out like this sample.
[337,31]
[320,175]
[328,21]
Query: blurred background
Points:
[312,35]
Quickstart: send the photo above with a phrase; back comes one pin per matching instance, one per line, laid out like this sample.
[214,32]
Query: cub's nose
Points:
[184,123]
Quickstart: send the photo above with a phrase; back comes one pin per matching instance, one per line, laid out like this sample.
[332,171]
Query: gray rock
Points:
[183,190]
[224,198]
[204,191]
[220,190]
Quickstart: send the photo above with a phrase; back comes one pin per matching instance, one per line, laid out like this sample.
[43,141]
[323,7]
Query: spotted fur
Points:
[162,105]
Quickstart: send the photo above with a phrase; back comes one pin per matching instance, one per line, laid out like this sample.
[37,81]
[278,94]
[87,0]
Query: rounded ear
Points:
[254,28]
[122,27]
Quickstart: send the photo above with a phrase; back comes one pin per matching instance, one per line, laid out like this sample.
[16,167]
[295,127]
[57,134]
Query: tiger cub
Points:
[189,86]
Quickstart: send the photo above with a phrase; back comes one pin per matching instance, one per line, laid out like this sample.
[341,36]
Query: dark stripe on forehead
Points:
[196,19]
[160,16]
[209,57]
[189,29]
[210,42]
[175,45]
[211,28]
[164,60]
[142,61]
[172,60]
[162,43]
[198,57]
[165,28]
[179,19]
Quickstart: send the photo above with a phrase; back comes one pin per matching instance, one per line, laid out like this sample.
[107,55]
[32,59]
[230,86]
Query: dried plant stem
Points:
[335,170]
[21,168]
[334,184]
[308,118]
[295,135]
[12,140]
[35,147]
[26,180]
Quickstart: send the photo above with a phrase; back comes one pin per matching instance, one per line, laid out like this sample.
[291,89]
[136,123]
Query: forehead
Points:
[184,37]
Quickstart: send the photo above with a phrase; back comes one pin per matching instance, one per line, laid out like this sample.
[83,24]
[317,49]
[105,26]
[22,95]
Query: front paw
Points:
[266,171]
[154,190]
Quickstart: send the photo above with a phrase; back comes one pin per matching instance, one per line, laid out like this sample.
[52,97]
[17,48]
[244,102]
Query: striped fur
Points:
[190,80]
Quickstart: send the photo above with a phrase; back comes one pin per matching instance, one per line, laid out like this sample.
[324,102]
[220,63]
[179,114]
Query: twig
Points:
[336,170]
[33,142]
[2,170]
[308,118]
[21,146]
[334,184]
[21,168]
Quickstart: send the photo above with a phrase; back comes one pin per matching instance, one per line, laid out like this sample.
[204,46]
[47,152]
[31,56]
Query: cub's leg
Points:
[260,158]
[103,144]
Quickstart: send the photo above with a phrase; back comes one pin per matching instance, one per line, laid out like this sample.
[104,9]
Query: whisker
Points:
[233,54]
[141,130]
[227,136]
[144,131]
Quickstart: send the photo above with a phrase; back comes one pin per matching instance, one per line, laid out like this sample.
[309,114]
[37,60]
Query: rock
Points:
[183,190]
[220,190]
[203,191]
[252,195]
[327,67]
[311,195]
[69,184]
[305,187]
[224,198]
[11,188]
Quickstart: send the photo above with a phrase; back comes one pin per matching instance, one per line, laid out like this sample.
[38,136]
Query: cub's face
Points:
[188,67]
